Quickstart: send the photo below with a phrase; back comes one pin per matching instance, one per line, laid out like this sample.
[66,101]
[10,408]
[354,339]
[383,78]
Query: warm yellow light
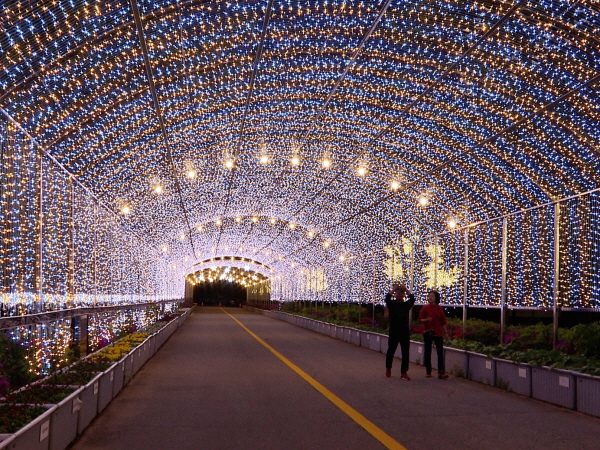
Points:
[452,224]
[326,244]
[311,234]
[326,163]
[164,248]
[295,160]
[199,227]
[158,189]
[273,220]
[229,163]
[182,236]
[361,171]
[264,159]
[342,258]
[191,174]
[423,200]
[394,185]
[125,209]
[238,219]
[255,219]
[218,222]
[292,226]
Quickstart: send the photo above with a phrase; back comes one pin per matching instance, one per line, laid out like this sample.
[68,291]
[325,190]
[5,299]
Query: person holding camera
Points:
[434,321]
[398,310]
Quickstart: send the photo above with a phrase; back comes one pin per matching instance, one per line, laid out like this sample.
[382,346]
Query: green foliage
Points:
[586,339]
[531,337]
[15,366]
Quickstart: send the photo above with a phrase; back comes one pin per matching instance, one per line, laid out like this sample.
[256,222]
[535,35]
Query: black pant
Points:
[394,339]
[428,339]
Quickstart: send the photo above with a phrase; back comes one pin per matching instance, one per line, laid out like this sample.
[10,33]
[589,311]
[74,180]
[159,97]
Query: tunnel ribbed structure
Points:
[333,141]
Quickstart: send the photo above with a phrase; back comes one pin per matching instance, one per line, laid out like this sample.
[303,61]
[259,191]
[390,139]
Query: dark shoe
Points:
[442,376]
[404,376]
[388,372]
[428,375]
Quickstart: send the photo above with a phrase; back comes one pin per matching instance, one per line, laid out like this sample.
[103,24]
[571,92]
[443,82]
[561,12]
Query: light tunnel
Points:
[343,144]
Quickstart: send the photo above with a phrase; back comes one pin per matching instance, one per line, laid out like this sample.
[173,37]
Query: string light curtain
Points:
[360,110]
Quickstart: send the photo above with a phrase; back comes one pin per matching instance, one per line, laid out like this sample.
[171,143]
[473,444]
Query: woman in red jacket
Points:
[434,321]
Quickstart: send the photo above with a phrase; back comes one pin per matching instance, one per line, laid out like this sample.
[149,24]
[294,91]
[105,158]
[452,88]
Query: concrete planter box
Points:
[152,345]
[456,361]
[513,377]
[33,436]
[417,353]
[588,394]
[106,387]
[482,369]
[373,341]
[383,341]
[128,361]
[554,386]
[355,336]
[64,419]
[119,378]
[89,403]
[333,331]
[347,334]
[6,439]
[323,328]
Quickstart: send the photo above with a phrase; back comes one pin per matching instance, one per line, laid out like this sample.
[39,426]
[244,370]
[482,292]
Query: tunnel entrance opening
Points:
[220,293]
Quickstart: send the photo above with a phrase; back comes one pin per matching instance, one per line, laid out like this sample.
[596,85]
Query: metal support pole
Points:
[556,293]
[465,279]
[40,255]
[503,285]
[435,262]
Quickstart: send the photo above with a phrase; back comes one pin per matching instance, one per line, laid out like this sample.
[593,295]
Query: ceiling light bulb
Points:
[125,209]
[191,174]
[264,159]
[452,224]
[326,163]
[394,185]
[229,164]
[158,189]
[295,161]
[423,201]
[361,171]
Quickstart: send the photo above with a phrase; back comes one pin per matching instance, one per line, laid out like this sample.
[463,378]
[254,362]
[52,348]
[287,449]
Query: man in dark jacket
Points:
[398,310]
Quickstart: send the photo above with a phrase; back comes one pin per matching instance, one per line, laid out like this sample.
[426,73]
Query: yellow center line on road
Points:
[361,420]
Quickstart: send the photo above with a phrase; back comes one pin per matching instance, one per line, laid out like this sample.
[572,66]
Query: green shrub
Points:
[586,339]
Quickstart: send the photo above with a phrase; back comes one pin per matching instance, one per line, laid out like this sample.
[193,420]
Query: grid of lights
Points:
[303,153]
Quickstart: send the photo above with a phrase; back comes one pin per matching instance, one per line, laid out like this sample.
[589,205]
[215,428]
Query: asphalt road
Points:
[230,379]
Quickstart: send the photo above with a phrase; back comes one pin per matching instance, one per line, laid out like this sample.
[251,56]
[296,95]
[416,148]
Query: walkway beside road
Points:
[231,379]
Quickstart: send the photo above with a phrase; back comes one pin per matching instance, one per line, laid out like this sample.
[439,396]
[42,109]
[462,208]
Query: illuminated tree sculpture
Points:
[435,275]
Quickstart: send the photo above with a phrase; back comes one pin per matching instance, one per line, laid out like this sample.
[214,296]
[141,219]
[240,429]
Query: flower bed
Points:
[14,417]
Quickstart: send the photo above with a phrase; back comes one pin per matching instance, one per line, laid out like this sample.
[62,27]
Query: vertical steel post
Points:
[435,261]
[71,275]
[41,239]
[465,279]
[556,291]
[503,284]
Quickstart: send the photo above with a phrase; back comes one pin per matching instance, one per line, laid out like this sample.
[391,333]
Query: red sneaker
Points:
[388,372]
[404,376]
